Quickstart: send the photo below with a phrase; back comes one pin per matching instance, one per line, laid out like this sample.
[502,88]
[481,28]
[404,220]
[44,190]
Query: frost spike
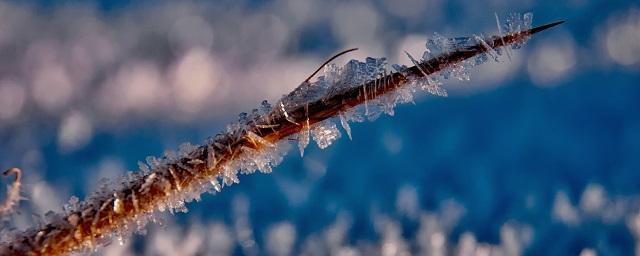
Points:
[303,137]
[507,50]
[345,125]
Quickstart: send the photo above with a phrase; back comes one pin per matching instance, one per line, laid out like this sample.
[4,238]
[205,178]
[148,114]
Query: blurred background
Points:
[539,155]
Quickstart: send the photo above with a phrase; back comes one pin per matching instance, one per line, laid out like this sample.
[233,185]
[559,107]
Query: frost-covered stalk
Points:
[13,192]
[258,141]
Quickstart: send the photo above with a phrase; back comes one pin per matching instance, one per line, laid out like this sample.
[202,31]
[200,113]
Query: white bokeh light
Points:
[280,239]
[414,44]
[136,87]
[358,24]
[52,89]
[413,9]
[622,39]
[12,99]
[552,60]
[194,80]
[75,131]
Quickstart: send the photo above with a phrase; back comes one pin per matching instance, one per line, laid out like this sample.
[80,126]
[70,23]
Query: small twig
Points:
[13,192]
[327,62]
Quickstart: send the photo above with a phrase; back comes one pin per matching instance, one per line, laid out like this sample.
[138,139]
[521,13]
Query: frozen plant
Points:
[258,142]
[13,192]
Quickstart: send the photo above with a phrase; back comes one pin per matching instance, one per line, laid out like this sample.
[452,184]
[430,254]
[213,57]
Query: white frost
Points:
[325,133]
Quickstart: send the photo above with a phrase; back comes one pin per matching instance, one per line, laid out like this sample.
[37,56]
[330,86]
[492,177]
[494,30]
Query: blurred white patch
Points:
[242,225]
[191,31]
[315,168]
[358,24]
[52,88]
[413,44]
[300,12]
[44,198]
[634,225]
[108,168]
[392,142]
[405,8]
[136,87]
[75,131]
[593,199]
[335,235]
[407,202]
[40,53]
[174,241]
[467,244]
[12,99]
[431,238]
[449,213]
[622,38]
[515,238]
[588,252]
[296,192]
[392,243]
[220,240]
[81,63]
[280,239]
[492,74]
[355,20]
[564,211]
[414,9]
[194,77]
[12,19]
[552,60]
[290,73]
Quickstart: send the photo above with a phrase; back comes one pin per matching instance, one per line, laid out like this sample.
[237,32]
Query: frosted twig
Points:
[245,147]
[13,192]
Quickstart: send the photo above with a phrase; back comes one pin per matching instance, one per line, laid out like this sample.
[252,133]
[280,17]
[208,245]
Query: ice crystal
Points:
[211,157]
[303,138]
[345,125]
[216,184]
[72,205]
[153,162]
[516,23]
[490,51]
[325,133]
[144,168]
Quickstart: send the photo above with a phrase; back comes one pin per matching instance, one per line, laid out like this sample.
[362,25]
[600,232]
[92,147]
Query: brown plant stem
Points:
[102,216]
[13,193]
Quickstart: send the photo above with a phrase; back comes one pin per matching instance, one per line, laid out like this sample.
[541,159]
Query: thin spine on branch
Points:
[257,142]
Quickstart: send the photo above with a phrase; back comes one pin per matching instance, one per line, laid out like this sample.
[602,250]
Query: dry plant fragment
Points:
[257,142]
[13,192]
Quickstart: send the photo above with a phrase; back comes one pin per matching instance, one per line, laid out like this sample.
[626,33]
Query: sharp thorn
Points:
[544,27]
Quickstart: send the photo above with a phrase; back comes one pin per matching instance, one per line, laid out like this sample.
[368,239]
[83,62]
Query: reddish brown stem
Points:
[103,215]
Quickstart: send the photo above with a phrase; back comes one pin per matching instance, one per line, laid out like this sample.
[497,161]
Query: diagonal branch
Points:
[171,181]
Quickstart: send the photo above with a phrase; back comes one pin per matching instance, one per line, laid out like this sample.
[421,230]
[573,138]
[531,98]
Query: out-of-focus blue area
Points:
[504,155]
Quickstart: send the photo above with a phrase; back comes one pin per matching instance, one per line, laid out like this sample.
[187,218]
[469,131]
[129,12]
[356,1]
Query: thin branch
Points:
[176,180]
[13,192]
